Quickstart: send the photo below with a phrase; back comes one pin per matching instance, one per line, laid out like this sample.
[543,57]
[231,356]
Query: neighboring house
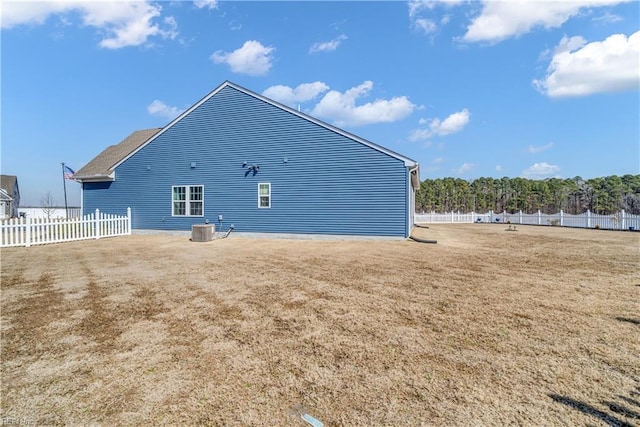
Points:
[237,157]
[9,196]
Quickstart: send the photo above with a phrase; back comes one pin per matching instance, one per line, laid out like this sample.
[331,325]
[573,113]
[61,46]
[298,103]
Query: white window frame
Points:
[187,201]
[269,195]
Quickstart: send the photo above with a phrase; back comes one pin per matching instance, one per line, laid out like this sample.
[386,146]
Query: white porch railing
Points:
[619,221]
[39,231]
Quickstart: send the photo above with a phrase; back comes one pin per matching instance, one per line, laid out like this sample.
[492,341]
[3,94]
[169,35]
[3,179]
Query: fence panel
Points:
[451,217]
[37,231]
[618,221]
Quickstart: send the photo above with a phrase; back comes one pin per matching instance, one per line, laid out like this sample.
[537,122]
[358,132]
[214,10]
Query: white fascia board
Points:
[5,196]
[97,178]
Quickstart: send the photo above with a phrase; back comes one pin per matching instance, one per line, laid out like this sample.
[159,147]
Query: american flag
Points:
[68,172]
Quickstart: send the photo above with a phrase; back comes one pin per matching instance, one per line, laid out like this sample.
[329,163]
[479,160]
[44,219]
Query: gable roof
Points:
[101,167]
[8,184]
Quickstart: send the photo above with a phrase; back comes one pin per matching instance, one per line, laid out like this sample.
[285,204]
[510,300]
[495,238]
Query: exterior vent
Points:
[202,232]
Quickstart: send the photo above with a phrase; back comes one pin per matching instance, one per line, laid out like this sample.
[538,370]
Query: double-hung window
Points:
[264,195]
[187,200]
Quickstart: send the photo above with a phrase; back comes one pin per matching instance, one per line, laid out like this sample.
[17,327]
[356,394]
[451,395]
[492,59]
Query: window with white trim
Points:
[187,200]
[264,195]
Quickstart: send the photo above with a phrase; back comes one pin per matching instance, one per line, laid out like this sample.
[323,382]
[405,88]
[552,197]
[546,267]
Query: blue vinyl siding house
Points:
[260,165]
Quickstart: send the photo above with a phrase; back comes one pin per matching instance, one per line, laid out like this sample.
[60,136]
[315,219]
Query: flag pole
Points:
[64,185]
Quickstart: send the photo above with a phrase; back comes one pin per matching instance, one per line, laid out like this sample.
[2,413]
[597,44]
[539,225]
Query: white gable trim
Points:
[407,161]
[173,122]
[4,196]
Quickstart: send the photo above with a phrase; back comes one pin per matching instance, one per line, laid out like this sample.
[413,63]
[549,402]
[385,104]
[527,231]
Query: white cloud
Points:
[329,46]
[420,135]
[341,108]
[452,124]
[291,96]
[500,20]
[579,69]
[427,26]
[568,44]
[608,18]
[539,148]
[417,6]
[252,58]
[121,23]
[540,171]
[438,160]
[159,108]
[28,13]
[455,122]
[209,4]
[499,168]
[464,168]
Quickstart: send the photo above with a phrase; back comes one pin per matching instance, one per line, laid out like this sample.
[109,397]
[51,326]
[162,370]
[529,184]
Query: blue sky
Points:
[467,88]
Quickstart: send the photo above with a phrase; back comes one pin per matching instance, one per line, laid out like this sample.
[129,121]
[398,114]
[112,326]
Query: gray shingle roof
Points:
[8,183]
[100,166]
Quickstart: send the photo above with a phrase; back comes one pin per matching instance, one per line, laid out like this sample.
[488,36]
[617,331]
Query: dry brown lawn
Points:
[535,327]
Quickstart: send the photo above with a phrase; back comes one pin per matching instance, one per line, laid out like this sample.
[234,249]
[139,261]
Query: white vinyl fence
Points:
[618,221]
[451,218]
[39,231]
[52,212]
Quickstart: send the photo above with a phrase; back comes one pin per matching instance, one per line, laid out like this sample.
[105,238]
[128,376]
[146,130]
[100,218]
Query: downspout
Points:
[416,239]
[228,232]
[412,201]
[81,199]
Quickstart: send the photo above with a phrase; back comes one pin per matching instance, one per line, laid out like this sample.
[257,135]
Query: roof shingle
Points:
[100,166]
[8,183]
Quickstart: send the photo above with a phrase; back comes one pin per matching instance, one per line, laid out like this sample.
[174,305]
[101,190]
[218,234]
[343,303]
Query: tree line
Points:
[605,195]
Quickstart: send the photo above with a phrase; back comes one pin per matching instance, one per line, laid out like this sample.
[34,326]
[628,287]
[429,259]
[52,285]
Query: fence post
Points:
[129,220]
[561,218]
[520,217]
[451,216]
[539,217]
[490,217]
[588,218]
[27,234]
[622,220]
[97,223]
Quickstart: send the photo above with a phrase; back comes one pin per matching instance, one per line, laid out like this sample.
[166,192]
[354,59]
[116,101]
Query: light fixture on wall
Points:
[253,168]
[193,165]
